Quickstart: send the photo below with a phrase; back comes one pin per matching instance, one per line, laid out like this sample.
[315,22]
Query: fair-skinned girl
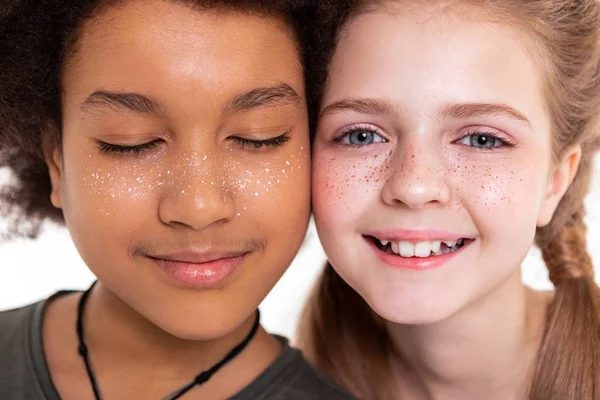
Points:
[453,135]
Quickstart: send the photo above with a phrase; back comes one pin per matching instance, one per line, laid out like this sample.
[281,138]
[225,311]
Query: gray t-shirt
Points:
[24,372]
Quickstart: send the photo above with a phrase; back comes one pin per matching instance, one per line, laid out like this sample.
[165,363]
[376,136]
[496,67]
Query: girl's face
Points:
[184,168]
[432,161]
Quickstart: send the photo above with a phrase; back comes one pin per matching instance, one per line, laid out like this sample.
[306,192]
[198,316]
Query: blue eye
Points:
[361,137]
[481,141]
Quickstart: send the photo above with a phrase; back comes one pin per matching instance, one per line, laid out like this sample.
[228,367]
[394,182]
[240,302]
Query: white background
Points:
[32,270]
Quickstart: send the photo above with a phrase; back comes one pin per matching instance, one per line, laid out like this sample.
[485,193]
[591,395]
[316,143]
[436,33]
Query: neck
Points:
[136,344]
[487,347]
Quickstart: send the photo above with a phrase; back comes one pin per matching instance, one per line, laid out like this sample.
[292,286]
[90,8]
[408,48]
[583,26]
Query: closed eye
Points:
[121,149]
[257,144]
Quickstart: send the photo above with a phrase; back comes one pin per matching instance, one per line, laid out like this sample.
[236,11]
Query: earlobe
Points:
[558,184]
[54,160]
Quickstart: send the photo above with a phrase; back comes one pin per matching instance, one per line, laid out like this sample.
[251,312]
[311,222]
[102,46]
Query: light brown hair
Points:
[342,335]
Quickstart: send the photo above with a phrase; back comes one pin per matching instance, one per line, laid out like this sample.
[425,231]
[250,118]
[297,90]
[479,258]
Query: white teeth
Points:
[423,249]
[450,243]
[406,249]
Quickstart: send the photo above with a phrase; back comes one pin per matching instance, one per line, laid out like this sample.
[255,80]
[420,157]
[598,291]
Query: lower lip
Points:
[203,275]
[414,263]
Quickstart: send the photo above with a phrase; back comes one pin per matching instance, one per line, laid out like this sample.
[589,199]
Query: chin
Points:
[199,328]
[411,309]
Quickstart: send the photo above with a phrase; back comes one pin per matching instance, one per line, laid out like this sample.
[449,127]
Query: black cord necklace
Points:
[200,379]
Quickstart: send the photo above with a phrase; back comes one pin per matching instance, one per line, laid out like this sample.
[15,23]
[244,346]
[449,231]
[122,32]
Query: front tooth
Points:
[435,246]
[384,242]
[450,243]
[406,249]
[395,248]
[423,249]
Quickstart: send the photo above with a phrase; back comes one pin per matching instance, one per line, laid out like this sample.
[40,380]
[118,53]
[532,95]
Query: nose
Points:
[418,180]
[196,197]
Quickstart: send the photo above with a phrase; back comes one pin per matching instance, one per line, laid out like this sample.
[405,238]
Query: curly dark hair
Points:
[35,36]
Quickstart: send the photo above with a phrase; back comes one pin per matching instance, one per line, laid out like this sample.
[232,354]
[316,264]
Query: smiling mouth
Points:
[423,249]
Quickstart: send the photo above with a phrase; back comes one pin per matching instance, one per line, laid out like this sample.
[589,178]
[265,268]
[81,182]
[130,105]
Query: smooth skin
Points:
[413,93]
[193,92]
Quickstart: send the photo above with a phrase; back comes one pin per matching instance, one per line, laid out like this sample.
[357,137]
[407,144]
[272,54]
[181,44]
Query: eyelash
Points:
[257,144]
[246,143]
[353,129]
[117,149]
[503,141]
[368,128]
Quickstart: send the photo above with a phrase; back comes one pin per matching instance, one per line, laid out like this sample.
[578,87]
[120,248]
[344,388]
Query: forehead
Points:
[416,57]
[135,42]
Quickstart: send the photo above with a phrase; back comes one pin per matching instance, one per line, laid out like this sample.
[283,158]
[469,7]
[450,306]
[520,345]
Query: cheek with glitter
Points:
[255,181]
[115,187]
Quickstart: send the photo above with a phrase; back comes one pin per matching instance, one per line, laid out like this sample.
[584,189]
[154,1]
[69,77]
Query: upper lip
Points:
[416,236]
[199,257]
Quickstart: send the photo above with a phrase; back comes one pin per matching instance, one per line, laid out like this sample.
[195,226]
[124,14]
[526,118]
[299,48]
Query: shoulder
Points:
[291,377]
[15,322]
[23,370]
[306,382]
[16,365]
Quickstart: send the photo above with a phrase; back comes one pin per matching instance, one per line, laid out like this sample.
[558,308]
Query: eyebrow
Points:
[133,102]
[281,94]
[363,106]
[467,110]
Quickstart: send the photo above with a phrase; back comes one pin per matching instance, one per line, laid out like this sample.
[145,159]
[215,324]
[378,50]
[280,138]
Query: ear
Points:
[558,183]
[53,156]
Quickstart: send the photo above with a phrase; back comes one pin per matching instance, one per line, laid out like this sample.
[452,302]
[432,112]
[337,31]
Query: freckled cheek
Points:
[345,188]
[500,198]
